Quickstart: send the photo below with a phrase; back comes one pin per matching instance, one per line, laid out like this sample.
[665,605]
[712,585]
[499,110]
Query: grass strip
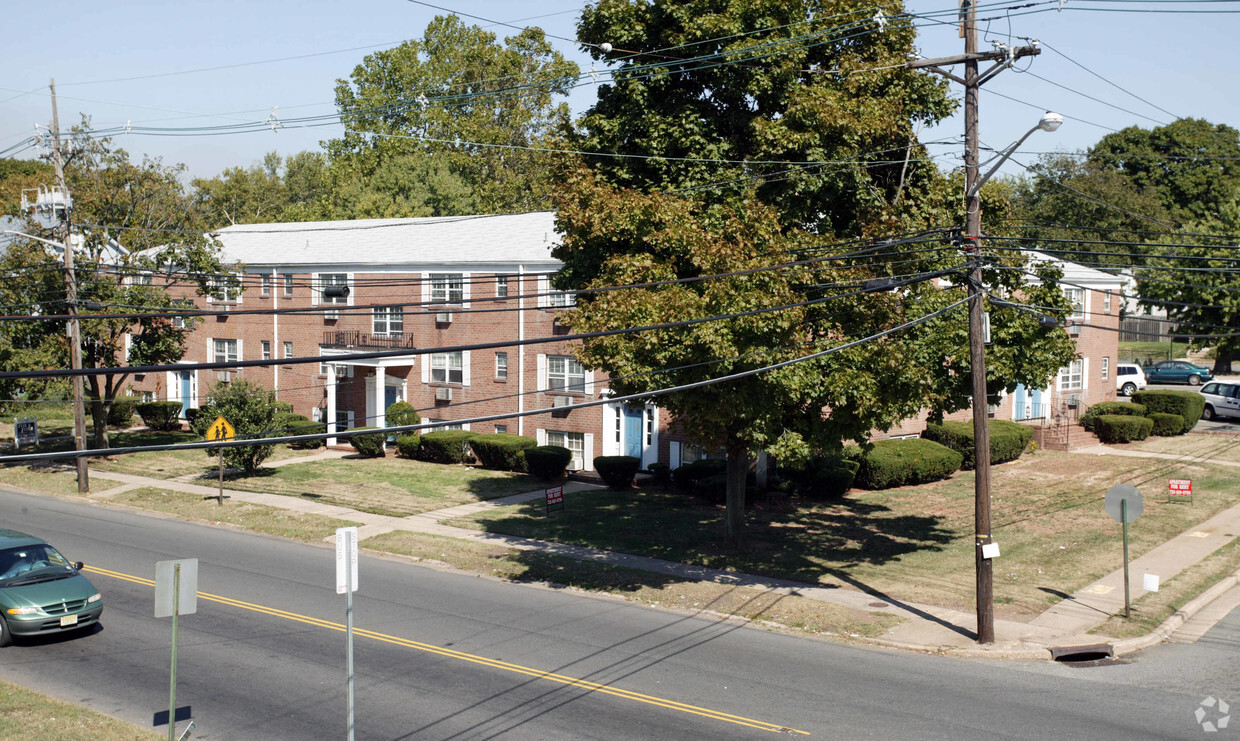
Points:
[31,716]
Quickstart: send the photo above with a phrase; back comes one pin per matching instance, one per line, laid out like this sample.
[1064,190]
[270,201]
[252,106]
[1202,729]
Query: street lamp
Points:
[977,359]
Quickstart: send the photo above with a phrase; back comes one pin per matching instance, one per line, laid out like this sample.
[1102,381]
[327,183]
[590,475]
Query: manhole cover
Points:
[879,604]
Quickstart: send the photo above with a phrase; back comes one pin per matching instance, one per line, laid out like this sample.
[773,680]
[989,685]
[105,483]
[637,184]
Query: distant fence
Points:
[1146,329]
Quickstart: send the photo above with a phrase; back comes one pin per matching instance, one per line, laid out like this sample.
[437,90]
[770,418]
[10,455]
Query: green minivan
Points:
[41,592]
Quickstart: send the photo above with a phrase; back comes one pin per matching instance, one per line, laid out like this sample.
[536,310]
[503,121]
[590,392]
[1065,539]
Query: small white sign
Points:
[1151,582]
[346,553]
[173,594]
[990,550]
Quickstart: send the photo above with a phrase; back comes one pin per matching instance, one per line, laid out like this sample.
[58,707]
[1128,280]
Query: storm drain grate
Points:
[1079,655]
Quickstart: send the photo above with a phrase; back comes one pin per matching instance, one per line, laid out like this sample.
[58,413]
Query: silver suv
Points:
[1222,400]
[1129,379]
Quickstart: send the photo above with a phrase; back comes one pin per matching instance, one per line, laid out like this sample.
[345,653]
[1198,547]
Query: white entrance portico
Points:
[382,391]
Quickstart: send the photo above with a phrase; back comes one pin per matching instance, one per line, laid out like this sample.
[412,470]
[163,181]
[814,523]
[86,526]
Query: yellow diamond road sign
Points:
[220,430]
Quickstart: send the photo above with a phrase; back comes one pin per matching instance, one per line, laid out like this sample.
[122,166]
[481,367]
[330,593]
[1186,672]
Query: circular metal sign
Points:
[1124,493]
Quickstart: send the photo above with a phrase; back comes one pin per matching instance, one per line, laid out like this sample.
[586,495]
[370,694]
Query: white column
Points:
[380,418]
[331,403]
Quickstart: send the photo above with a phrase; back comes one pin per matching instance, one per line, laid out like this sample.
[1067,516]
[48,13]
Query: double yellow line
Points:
[584,684]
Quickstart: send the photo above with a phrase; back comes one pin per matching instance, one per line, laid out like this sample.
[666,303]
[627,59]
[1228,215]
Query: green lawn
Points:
[30,716]
[913,543]
[389,486]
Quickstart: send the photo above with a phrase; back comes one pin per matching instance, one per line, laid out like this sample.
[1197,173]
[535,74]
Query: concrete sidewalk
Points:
[924,628]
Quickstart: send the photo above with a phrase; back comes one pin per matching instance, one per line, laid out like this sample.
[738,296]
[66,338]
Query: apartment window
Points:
[1106,368]
[388,320]
[447,367]
[148,396]
[288,349]
[332,279]
[179,322]
[1076,297]
[501,429]
[574,441]
[501,286]
[224,288]
[1072,376]
[565,374]
[442,425]
[225,351]
[447,288]
[1106,302]
[141,279]
[287,279]
[266,349]
[501,365]
[649,427]
[561,299]
[264,288]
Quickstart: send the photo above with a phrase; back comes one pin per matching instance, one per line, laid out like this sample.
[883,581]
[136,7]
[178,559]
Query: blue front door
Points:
[633,432]
[391,395]
[186,390]
[1018,402]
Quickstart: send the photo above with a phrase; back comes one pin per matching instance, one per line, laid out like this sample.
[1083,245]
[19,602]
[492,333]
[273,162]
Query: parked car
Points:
[1222,400]
[41,592]
[1177,371]
[1129,378]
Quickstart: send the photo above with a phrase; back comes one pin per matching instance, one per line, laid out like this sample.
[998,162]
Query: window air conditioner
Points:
[1074,328]
[1074,401]
[443,394]
[341,371]
[562,401]
[223,376]
[443,317]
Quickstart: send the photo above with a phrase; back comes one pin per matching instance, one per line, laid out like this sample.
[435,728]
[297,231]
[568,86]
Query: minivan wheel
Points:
[6,638]
[1129,389]
[1207,413]
[1194,380]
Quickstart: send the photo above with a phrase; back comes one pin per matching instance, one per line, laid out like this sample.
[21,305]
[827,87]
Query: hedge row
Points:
[1008,440]
[287,423]
[1187,404]
[1131,409]
[547,462]
[1121,428]
[892,463]
[370,445]
[617,471]
[160,415]
[501,451]
[122,410]
[822,477]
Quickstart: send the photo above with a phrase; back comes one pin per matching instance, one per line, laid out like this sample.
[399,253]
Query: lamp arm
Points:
[1003,158]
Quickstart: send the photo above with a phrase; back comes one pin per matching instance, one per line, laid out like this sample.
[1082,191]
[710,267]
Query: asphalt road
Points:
[448,656]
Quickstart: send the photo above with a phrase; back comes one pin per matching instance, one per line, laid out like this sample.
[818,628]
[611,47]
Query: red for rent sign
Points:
[1180,487]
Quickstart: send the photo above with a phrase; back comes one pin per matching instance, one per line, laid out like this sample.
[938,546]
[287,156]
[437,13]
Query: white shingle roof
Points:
[1077,274]
[451,240]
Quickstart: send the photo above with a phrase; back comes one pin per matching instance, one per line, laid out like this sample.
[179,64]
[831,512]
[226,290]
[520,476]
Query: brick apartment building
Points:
[443,282]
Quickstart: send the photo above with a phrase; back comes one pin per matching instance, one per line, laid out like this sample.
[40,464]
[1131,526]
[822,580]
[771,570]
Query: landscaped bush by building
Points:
[1131,409]
[190,415]
[401,414]
[714,488]
[121,413]
[617,471]
[370,446]
[1167,425]
[1187,404]
[445,446]
[547,462]
[287,423]
[1008,440]
[1119,428]
[822,477]
[160,415]
[407,445]
[891,463]
[662,473]
[501,450]
[687,475]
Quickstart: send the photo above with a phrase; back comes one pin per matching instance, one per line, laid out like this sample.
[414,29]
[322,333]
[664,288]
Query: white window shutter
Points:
[543,284]
[542,372]
[240,355]
[589,383]
[426,369]
[240,293]
[465,298]
[673,450]
[210,349]
[348,281]
[465,368]
[169,386]
[316,285]
[465,426]
[588,453]
[426,288]
[540,435]
[1084,375]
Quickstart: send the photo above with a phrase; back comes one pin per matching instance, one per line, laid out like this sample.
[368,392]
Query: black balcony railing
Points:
[347,338]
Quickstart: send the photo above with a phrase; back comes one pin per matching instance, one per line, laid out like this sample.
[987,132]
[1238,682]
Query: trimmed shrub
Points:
[714,488]
[283,407]
[1187,404]
[1132,409]
[1167,425]
[287,423]
[822,477]
[160,415]
[547,462]
[370,446]
[1119,428]
[190,415]
[401,414]
[445,446]
[501,451]
[407,445]
[617,471]
[1008,440]
[122,410]
[662,473]
[687,475]
[891,463]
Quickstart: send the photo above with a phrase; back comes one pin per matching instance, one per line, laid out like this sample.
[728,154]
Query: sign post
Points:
[176,594]
[25,432]
[346,584]
[219,431]
[1179,488]
[1125,504]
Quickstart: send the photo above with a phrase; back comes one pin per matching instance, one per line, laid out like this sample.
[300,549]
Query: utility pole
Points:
[972,82]
[75,333]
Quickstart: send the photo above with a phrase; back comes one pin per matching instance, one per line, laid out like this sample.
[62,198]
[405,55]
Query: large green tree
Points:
[142,207]
[405,110]
[288,189]
[744,136]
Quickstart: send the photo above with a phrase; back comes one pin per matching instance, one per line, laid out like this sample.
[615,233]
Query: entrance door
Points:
[391,395]
[186,383]
[633,419]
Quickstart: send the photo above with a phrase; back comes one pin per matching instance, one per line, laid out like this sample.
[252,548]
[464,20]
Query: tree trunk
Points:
[99,422]
[738,469]
[1222,359]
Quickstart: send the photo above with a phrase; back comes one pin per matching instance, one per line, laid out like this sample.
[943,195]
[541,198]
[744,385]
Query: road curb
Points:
[1178,618]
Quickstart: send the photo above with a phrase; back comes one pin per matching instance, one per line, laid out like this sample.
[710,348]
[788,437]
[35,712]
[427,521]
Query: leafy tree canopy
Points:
[289,189]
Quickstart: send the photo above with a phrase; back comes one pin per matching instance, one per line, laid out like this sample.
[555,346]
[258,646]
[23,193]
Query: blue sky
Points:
[1182,63]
